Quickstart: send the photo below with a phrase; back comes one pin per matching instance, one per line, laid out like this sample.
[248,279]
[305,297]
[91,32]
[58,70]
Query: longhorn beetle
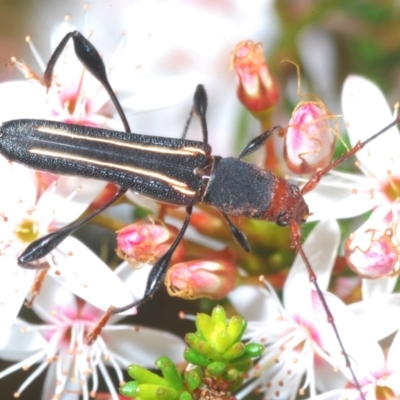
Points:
[175,171]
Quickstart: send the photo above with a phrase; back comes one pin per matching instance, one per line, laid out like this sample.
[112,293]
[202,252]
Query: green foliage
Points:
[217,360]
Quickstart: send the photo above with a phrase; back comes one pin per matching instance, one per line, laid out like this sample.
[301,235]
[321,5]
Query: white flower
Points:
[195,40]
[75,96]
[74,368]
[296,341]
[27,215]
[345,195]
[377,368]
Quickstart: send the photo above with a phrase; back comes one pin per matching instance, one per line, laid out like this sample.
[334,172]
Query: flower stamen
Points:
[27,231]
[35,53]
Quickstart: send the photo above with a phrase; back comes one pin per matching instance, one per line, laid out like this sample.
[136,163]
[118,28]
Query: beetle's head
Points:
[297,209]
[288,205]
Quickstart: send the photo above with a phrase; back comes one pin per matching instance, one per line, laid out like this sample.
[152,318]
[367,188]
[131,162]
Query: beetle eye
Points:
[282,220]
[304,218]
[294,189]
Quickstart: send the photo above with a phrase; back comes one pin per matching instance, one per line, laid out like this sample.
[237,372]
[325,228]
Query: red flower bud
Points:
[105,195]
[200,278]
[257,88]
[309,140]
[371,254]
[146,241]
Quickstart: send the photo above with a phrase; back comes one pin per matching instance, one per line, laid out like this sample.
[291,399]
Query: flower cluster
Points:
[323,323]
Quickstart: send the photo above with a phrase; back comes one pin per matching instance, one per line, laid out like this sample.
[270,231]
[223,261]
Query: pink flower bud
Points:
[372,254]
[309,142]
[194,279]
[146,241]
[257,88]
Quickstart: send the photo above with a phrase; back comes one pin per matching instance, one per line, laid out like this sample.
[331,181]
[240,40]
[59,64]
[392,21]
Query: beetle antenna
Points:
[314,180]
[295,232]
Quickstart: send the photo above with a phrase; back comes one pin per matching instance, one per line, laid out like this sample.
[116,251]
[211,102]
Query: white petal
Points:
[365,353]
[59,202]
[393,359]
[15,283]
[144,345]
[53,300]
[365,113]
[340,195]
[24,340]
[377,287]
[321,249]
[29,103]
[149,93]
[135,278]
[21,187]
[51,386]
[244,299]
[327,378]
[339,394]
[380,315]
[143,201]
[83,273]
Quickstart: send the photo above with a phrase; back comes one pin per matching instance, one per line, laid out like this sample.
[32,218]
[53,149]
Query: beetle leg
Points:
[157,273]
[239,237]
[154,280]
[258,141]
[199,107]
[91,60]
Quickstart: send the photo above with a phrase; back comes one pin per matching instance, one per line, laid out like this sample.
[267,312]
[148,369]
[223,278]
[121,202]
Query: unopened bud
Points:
[309,140]
[105,195]
[195,279]
[257,88]
[146,241]
[371,254]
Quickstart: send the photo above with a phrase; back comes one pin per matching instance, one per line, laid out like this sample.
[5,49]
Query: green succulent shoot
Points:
[171,386]
[218,362]
[216,347]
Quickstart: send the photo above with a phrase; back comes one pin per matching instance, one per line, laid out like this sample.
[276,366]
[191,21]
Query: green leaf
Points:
[235,351]
[129,389]
[194,357]
[185,396]
[202,347]
[221,341]
[205,325]
[216,368]
[193,378]
[218,315]
[143,375]
[236,328]
[170,372]
[147,391]
[253,350]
